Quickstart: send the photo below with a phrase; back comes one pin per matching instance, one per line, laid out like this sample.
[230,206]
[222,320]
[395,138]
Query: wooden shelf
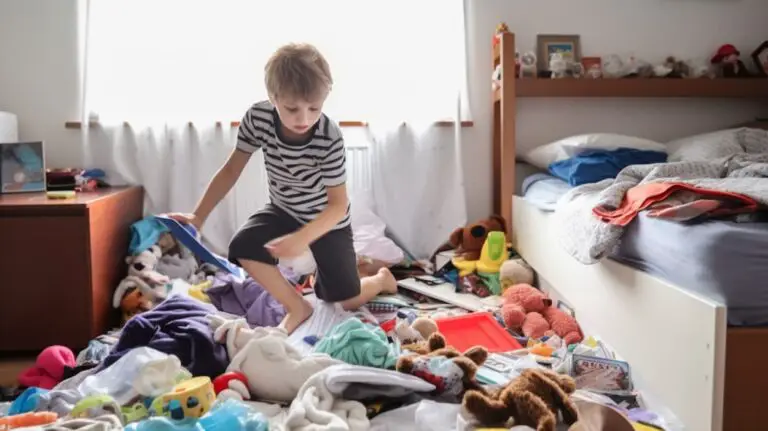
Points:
[639,87]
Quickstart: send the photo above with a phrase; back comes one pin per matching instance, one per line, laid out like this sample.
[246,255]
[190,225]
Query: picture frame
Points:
[22,167]
[567,44]
[760,58]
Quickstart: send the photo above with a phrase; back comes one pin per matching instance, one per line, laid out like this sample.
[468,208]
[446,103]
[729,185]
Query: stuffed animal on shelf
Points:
[534,399]
[529,310]
[500,29]
[468,241]
[727,58]
[452,372]
[558,66]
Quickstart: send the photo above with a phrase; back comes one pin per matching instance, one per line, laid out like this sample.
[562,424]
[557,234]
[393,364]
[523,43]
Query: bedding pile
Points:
[714,175]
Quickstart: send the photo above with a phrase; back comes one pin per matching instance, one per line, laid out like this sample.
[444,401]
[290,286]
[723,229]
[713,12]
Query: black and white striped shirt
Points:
[298,172]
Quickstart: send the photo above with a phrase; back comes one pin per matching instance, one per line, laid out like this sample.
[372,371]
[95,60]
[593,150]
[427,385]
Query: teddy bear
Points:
[452,372]
[467,242]
[530,310]
[414,333]
[534,399]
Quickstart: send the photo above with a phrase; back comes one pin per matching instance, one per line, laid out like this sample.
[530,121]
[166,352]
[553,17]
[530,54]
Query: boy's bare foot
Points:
[294,318]
[387,280]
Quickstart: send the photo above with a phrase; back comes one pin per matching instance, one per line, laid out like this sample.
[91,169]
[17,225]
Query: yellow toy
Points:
[198,291]
[189,399]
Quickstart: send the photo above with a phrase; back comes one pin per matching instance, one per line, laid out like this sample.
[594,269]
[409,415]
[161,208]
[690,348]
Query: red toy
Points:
[727,57]
[529,310]
[232,381]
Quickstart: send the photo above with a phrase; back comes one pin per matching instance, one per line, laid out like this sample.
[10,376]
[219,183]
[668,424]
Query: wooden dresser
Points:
[60,261]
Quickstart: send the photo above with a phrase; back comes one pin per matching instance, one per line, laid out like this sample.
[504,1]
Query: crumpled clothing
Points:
[357,343]
[245,298]
[101,423]
[177,326]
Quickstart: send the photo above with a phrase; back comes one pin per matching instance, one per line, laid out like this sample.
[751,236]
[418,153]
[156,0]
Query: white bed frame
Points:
[673,340]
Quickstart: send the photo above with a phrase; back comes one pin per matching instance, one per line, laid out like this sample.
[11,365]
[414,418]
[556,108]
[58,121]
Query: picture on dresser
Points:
[22,167]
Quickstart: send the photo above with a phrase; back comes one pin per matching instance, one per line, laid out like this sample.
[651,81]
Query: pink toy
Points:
[48,370]
[528,309]
[522,309]
[565,326]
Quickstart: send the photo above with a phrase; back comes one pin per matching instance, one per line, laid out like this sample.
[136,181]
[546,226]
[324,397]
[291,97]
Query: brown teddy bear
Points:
[452,372]
[533,399]
[468,241]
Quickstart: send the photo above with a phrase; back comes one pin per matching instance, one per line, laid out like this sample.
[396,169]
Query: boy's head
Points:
[298,81]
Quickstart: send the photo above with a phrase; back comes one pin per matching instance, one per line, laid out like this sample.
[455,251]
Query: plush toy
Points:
[144,265]
[534,399]
[727,58]
[133,295]
[530,310]
[500,29]
[558,66]
[468,241]
[515,271]
[415,333]
[522,308]
[452,372]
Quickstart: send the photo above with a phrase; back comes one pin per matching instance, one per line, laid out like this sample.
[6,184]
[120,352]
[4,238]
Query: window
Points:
[183,60]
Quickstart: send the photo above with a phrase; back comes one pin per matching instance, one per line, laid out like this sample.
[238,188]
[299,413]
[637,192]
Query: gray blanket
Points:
[741,167]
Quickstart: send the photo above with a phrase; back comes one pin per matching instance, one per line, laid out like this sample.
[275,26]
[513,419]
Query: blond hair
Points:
[298,70]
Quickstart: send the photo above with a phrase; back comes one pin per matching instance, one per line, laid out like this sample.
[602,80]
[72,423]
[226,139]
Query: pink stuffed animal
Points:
[528,309]
[522,308]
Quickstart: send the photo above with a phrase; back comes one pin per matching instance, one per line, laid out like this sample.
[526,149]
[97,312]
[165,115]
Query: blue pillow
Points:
[592,166]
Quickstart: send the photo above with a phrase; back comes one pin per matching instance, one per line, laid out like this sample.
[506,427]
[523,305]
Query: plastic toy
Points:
[95,406]
[493,253]
[27,420]
[189,399]
[231,381]
[229,415]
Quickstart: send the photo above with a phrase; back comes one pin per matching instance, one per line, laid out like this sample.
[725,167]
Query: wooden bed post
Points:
[504,129]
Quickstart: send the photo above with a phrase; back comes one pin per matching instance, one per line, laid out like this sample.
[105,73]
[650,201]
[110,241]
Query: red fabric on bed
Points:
[644,196]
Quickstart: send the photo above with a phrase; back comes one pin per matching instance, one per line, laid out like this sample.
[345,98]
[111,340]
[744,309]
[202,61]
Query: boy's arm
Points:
[329,217]
[333,169]
[248,141]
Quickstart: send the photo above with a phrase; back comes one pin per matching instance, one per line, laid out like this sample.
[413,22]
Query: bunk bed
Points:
[678,343]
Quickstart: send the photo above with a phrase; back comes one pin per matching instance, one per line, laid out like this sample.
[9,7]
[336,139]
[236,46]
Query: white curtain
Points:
[170,69]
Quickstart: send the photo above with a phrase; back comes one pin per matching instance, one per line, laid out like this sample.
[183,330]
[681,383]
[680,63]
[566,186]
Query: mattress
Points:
[720,260]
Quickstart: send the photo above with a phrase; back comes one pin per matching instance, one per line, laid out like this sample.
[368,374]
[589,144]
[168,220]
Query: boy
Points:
[305,161]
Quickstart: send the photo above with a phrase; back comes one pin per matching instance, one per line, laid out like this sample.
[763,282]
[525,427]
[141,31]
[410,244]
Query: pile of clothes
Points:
[203,352]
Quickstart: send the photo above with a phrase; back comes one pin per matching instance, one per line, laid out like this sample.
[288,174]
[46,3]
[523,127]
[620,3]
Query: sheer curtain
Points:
[170,69]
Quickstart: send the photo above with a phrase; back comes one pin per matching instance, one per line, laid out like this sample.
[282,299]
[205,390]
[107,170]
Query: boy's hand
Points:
[287,247]
[187,219]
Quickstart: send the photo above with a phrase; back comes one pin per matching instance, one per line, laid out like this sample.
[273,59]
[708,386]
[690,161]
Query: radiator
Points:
[358,169]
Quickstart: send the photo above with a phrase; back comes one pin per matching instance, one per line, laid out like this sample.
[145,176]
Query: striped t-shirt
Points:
[298,172]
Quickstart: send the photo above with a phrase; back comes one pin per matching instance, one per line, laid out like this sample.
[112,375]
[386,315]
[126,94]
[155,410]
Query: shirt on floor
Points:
[298,172]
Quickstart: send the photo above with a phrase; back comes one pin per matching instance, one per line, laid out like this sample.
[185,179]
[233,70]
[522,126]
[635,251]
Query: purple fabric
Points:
[177,326]
[245,298]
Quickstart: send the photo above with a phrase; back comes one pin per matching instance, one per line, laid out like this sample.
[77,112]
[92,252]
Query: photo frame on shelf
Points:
[22,167]
[760,57]
[569,45]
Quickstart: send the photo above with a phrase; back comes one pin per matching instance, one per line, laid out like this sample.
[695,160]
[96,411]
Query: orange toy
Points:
[27,420]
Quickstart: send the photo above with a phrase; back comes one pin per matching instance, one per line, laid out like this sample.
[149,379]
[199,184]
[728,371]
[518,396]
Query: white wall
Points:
[39,70]
[39,73]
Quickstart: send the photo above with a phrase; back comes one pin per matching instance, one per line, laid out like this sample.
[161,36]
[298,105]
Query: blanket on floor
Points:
[589,239]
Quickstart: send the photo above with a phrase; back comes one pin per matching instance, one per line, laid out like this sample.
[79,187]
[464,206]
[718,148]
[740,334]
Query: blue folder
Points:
[187,235]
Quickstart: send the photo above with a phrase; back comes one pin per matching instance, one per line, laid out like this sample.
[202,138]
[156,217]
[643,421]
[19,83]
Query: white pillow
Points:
[722,143]
[545,155]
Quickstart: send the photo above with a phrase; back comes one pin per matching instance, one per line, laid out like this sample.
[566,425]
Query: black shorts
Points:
[337,279]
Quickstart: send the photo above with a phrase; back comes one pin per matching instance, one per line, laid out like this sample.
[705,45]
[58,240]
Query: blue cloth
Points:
[26,402]
[177,326]
[593,166]
[145,233]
